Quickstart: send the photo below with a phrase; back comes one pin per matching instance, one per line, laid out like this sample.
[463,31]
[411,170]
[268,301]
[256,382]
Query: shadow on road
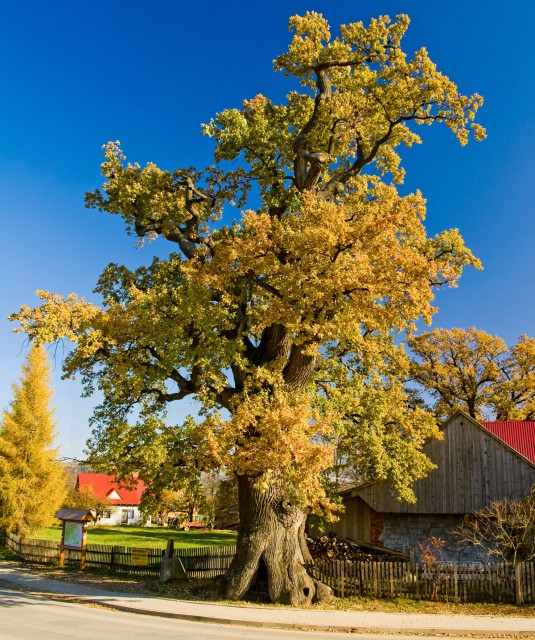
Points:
[11,598]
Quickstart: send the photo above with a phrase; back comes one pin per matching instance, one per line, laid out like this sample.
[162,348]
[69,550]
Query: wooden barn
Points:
[476,464]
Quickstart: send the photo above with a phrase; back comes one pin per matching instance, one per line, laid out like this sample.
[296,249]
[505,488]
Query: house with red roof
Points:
[476,463]
[118,505]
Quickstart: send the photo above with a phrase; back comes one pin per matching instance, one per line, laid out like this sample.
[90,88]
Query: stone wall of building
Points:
[413,534]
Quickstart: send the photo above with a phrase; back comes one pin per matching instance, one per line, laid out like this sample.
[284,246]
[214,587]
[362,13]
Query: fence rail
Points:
[457,582]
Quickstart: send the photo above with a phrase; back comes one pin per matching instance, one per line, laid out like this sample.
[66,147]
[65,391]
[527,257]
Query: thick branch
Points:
[264,285]
[362,159]
[274,344]
[300,367]
[323,84]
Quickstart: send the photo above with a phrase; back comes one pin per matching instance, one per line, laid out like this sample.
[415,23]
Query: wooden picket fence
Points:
[42,551]
[206,562]
[452,582]
[199,562]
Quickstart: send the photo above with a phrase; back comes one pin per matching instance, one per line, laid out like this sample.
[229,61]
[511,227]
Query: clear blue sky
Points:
[74,75]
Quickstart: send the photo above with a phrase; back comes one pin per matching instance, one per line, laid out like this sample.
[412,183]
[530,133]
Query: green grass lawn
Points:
[152,537]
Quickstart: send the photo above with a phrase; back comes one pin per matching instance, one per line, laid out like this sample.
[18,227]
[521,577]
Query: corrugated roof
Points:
[518,434]
[104,486]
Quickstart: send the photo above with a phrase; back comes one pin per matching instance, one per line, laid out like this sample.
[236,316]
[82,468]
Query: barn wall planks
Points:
[473,468]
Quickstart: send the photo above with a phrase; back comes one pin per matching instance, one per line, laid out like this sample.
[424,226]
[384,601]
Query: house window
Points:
[126,515]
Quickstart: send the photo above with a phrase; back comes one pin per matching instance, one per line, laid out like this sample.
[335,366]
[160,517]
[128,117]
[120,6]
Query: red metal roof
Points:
[104,485]
[518,434]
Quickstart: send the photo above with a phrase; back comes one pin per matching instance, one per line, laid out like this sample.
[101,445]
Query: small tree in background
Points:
[221,499]
[182,505]
[472,370]
[504,529]
[32,481]
[158,506]
[514,397]
[86,498]
[458,367]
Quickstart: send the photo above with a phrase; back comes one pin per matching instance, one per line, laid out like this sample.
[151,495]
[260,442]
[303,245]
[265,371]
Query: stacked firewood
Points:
[336,548]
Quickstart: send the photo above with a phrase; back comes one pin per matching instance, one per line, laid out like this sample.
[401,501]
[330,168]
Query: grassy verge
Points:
[403,605]
[153,537]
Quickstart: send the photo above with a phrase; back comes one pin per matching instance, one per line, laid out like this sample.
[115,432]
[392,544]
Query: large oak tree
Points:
[283,323]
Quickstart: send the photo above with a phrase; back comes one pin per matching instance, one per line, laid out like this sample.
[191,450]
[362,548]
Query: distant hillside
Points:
[72,469]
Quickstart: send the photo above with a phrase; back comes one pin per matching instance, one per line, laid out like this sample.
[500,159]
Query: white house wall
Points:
[116,514]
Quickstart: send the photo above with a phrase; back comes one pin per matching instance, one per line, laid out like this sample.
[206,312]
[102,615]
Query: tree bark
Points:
[271,530]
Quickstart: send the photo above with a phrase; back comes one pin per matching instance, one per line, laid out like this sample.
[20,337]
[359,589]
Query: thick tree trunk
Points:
[273,531]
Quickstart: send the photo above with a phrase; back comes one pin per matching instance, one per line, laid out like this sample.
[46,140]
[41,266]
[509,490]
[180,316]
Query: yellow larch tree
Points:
[282,324]
[32,480]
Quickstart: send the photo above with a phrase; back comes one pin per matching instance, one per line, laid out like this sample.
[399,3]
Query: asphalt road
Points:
[26,616]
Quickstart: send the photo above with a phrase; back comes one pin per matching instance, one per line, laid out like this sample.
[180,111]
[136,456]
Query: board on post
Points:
[74,532]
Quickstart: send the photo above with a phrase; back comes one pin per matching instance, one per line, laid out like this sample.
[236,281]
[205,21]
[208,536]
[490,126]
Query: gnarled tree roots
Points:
[271,531]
